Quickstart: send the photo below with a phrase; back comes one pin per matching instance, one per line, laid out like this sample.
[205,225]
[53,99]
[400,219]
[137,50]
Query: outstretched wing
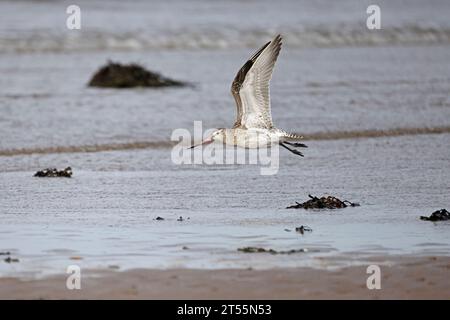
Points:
[250,87]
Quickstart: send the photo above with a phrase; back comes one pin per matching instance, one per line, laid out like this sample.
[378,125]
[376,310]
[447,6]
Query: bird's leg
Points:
[292,150]
[296,144]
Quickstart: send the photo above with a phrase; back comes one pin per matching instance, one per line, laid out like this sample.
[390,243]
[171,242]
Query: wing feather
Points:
[239,80]
[250,87]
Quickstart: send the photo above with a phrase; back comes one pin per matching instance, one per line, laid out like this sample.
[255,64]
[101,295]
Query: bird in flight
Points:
[253,127]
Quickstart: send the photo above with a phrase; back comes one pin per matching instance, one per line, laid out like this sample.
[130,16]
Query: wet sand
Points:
[137,145]
[106,213]
[402,277]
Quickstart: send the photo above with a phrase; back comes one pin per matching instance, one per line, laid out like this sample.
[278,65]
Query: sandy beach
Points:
[403,277]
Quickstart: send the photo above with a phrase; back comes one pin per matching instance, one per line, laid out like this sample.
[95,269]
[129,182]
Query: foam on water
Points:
[319,36]
[162,25]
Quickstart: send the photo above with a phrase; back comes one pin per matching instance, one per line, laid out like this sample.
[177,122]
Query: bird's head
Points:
[216,135]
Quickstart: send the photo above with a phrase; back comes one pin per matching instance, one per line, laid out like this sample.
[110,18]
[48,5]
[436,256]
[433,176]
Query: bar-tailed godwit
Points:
[250,88]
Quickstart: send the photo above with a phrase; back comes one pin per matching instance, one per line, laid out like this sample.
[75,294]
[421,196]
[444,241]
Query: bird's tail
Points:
[292,137]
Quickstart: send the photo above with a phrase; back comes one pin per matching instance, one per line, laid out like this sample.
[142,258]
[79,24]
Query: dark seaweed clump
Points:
[271,251]
[303,229]
[8,258]
[439,215]
[53,172]
[328,202]
[116,75]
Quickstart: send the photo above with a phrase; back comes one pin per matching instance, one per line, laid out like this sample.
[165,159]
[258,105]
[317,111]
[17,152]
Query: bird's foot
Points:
[294,151]
[296,144]
[297,152]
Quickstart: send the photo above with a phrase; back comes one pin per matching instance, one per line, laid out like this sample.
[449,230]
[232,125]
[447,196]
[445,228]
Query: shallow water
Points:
[106,212]
[314,90]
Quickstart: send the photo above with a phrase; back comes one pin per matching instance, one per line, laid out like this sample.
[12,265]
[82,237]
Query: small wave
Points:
[219,38]
[89,148]
[336,135]
[28,95]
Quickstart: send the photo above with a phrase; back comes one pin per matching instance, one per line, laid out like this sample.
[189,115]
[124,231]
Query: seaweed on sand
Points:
[53,172]
[116,75]
[439,215]
[11,260]
[303,229]
[8,259]
[328,202]
[271,251]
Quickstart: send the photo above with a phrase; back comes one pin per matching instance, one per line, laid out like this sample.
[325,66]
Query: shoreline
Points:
[404,277]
